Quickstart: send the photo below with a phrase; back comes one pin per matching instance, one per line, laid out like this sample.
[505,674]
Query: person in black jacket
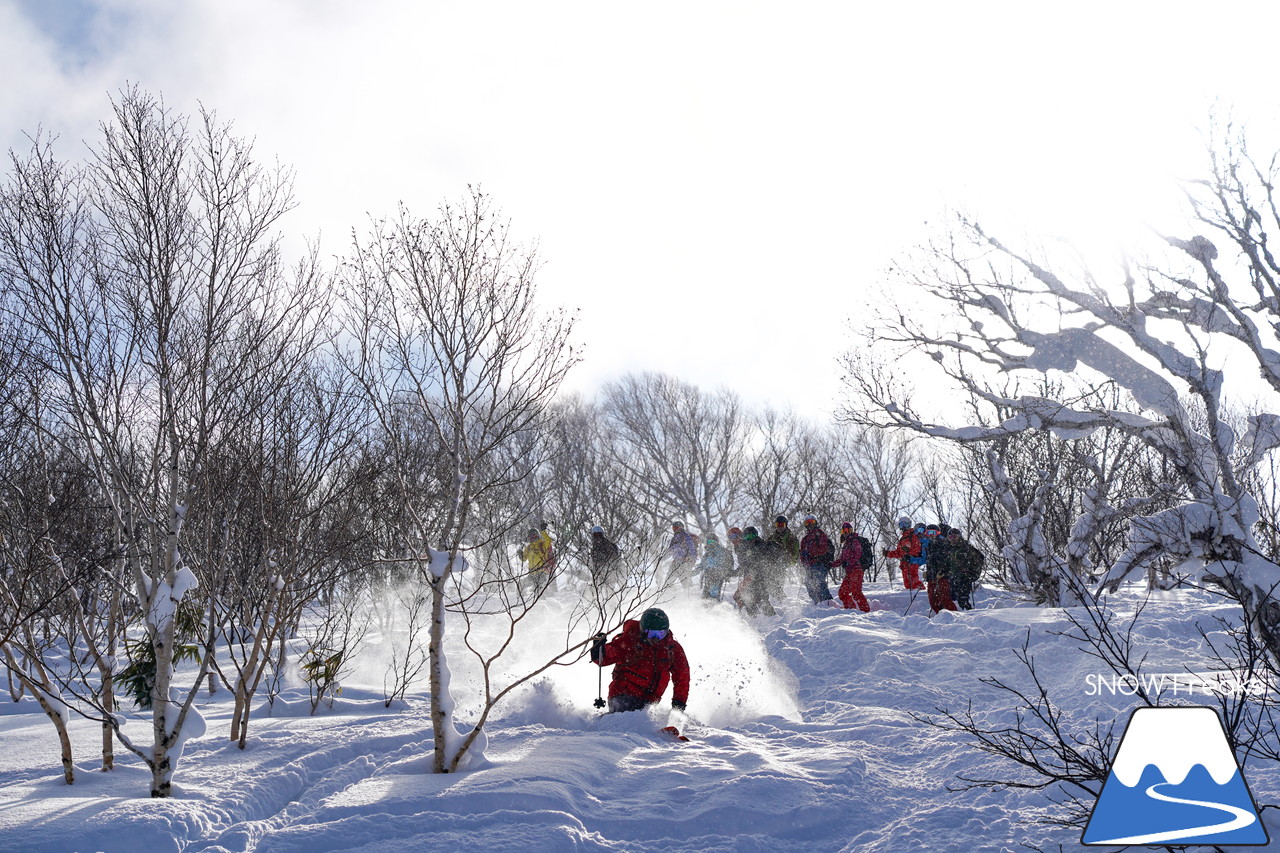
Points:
[965,563]
[937,568]
[603,554]
[786,547]
[758,560]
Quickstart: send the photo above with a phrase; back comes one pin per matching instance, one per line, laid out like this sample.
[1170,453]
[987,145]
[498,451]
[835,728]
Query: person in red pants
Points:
[937,569]
[850,559]
[910,554]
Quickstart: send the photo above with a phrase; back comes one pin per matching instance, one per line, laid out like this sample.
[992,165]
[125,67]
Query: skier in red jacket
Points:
[850,560]
[910,555]
[646,657]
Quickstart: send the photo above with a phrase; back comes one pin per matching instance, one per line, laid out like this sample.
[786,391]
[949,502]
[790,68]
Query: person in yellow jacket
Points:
[540,558]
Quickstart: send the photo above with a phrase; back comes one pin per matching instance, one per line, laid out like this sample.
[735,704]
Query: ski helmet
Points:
[654,619]
[810,521]
[782,519]
[750,533]
[904,522]
[597,529]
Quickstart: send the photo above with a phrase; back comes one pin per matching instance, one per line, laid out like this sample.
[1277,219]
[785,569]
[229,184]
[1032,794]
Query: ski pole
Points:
[599,703]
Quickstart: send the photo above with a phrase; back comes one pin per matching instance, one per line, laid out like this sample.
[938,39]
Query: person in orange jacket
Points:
[910,555]
[645,658]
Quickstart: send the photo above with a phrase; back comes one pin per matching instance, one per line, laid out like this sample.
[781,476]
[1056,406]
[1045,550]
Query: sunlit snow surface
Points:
[803,738]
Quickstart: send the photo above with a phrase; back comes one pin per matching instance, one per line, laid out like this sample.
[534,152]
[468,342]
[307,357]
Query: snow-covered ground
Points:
[803,738]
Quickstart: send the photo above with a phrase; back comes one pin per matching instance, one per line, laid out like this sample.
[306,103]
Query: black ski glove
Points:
[679,706]
[597,648]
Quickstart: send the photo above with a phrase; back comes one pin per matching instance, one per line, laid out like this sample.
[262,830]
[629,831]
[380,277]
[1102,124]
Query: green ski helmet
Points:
[654,619]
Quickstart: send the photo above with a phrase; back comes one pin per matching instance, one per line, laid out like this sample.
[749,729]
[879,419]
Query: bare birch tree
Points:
[769,470]
[285,525]
[681,445]
[580,485]
[1160,330]
[444,323]
[152,283]
[48,557]
[883,477]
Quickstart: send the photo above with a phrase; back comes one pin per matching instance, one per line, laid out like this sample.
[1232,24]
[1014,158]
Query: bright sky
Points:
[717,186]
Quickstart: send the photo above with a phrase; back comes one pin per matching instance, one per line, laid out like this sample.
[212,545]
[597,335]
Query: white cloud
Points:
[717,186]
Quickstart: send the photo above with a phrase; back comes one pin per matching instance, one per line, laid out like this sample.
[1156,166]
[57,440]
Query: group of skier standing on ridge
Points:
[951,565]
[646,656]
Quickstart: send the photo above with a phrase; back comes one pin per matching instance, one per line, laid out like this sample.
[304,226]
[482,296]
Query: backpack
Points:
[821,540]
[865,560]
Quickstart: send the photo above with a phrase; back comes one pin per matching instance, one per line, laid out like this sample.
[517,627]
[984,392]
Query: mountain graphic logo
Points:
[1174,780]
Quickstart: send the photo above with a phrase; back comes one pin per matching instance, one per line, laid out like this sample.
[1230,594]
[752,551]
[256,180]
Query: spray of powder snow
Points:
[734,679]
[393,646]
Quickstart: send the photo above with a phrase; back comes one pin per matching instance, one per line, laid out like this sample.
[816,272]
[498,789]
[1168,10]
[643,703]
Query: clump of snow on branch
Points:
[438,563]
[167,598]
[193,726]
[1062,350]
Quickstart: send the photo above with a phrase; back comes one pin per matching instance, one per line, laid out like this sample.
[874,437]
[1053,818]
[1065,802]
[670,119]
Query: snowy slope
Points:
[803,739]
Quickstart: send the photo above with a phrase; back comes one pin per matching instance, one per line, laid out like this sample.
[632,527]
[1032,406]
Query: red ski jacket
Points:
[815,549]
[643,667]
[908,551]
[850,553]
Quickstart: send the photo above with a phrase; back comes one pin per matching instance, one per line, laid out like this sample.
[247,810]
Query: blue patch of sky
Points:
[73,25]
